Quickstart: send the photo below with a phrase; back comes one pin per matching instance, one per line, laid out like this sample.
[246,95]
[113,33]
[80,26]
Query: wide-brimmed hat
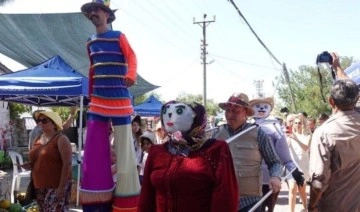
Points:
[239,99]
[267,100]
[103,4]
[34,115]
[149,135]
[53,116]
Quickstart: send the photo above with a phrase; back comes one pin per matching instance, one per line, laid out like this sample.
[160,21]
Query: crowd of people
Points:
[177,165]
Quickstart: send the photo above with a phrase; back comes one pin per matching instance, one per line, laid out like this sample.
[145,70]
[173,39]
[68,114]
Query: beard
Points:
[95,20]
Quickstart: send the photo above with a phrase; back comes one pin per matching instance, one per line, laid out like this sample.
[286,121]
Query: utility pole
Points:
[203,25]
[259,88]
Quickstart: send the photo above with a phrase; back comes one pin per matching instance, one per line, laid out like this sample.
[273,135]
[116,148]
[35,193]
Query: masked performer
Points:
[112,71]
[188,172]
[262,109]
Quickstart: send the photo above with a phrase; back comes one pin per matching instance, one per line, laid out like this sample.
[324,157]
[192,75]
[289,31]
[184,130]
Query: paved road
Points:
[281,206]
[282,203]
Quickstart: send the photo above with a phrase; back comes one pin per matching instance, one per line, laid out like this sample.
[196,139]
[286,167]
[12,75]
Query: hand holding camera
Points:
[333,60]
[324,57]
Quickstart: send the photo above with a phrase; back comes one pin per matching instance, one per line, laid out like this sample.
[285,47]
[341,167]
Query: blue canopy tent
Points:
[353,72]
[42,36]
[52,83]
[150,107]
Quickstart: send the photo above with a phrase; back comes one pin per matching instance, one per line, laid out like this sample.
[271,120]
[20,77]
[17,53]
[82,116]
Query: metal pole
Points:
[80,139]
[239,134]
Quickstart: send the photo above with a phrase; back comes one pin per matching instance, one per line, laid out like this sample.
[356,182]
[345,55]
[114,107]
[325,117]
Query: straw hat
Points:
[36,112]
[103,4]
[239,99]
[53,116]
[267,100]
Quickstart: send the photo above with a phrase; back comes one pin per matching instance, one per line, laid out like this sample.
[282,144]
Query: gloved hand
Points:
[298,176]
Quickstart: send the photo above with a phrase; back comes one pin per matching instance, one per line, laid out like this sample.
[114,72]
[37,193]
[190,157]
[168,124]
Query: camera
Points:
[324,57]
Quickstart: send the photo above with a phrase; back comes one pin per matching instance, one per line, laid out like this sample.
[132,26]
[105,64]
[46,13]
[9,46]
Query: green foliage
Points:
[306,89]
[142,98]
[15,207]
[5,162]
[64,112]
[17,109]
[212,107]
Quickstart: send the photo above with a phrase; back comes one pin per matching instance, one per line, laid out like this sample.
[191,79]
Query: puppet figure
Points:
[262,109]
[112,71]
[188,172]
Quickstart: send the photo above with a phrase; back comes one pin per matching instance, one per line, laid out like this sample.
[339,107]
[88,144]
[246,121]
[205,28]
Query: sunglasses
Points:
[43,120]
[297,122]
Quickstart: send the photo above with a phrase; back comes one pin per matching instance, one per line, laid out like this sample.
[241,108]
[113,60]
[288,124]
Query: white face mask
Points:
[177,117]
[262,110]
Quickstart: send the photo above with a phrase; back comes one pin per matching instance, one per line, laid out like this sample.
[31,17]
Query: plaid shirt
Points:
[269,155]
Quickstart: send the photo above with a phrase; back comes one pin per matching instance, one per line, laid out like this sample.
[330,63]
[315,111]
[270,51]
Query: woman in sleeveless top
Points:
[50,159]
[299,143]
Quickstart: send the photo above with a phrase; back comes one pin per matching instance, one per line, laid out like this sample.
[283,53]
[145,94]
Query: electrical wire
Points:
[239,61]
[175,14]
[270,53]
[257,37]
[175,76]
[159,20]
[156,32]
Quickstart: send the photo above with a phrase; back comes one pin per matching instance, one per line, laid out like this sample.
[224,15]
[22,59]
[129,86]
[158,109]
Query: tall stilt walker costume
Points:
[112,71]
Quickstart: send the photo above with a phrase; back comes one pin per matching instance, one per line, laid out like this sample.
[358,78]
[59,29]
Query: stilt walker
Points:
[112,71]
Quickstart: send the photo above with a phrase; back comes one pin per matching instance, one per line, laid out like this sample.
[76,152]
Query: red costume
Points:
[202,180]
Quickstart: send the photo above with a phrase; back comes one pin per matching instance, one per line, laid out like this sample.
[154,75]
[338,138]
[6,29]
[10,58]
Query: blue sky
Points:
[167,43]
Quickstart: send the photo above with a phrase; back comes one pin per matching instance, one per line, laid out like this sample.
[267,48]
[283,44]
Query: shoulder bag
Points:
[30,191]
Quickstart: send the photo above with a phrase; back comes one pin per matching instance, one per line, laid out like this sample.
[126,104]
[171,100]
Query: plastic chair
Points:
[18,172]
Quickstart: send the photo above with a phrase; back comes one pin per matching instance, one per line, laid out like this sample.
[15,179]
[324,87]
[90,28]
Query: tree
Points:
[212,107]
[139,99]
[142,98]
[64,112]
[17,109]
[309,94]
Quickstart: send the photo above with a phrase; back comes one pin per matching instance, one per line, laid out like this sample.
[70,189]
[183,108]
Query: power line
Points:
[173,21]
[176,77]
[270,53]
[186,41]
[240,61]
[257,37]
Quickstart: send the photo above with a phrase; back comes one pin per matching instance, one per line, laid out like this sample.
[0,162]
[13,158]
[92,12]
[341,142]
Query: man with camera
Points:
[334,157]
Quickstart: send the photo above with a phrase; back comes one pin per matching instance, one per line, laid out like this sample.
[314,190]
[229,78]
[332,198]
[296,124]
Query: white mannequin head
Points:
[262,107]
